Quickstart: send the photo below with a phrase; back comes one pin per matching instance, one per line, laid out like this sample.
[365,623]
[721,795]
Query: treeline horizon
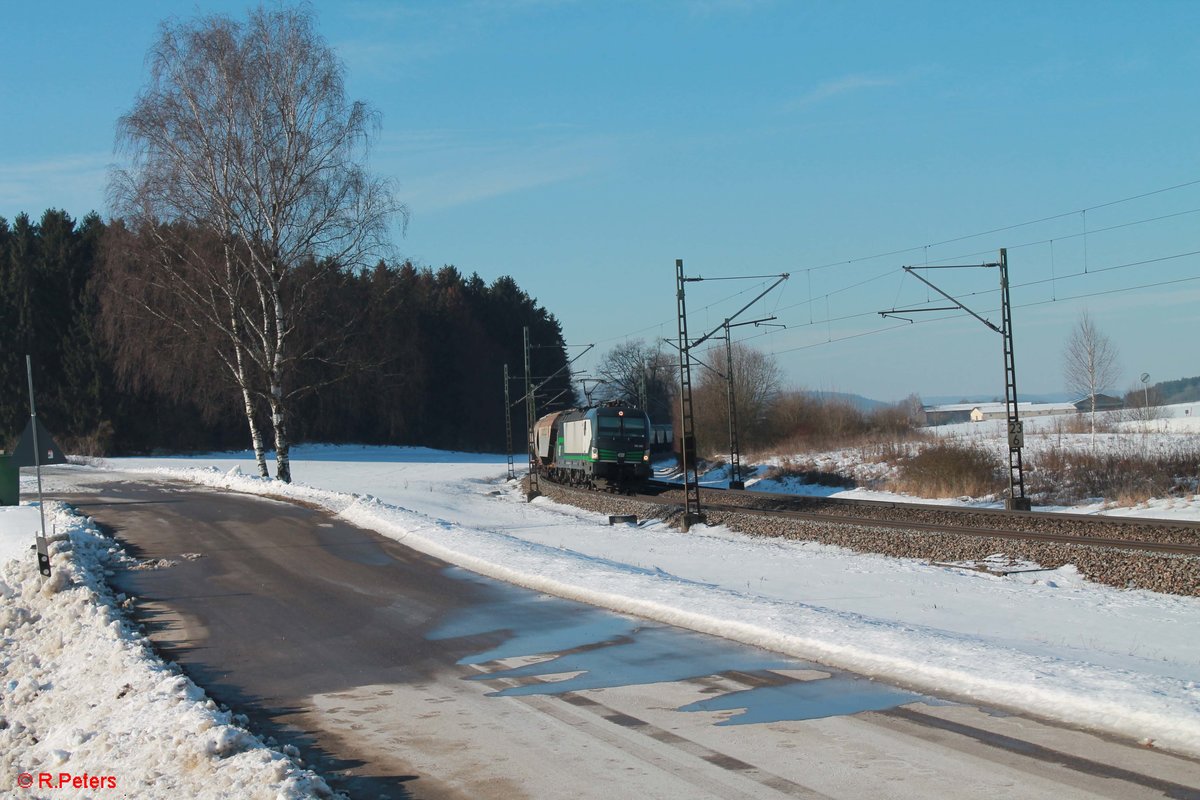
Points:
[418,360]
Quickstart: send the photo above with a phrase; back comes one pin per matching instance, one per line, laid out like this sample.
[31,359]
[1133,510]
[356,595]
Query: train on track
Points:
[602,446]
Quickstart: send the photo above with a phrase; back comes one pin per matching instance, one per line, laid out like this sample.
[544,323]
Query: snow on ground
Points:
[1044,642]
[1168,433]
[18,527]
[86,707]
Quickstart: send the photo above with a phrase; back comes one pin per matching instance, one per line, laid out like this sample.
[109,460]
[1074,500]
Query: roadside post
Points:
[43,551]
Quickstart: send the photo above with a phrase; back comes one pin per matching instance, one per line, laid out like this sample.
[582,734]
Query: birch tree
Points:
[1089,363]
[243,131]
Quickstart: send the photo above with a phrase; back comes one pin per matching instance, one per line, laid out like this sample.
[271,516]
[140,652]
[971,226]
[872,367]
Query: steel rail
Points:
[995,513]
[945,529]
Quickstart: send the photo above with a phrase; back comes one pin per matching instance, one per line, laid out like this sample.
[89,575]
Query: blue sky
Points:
[582,147]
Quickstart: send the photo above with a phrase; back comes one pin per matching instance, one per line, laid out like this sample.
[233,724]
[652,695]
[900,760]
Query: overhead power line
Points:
[1003,228]
[924,247]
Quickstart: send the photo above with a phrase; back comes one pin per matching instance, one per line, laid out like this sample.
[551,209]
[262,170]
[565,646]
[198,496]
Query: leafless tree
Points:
[635,366]
[1143,404]
[172,327]
[756,385]
[244,131]
[1089,363]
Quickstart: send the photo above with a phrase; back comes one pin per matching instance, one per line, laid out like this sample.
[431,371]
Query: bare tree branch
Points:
[1089,363]
[244,132]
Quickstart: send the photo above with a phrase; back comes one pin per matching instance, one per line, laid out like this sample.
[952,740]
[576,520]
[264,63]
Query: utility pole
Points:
[533,490]
[687,426]
[736,479]
[512,472]
[735,456]
[688,443]
[1016,500]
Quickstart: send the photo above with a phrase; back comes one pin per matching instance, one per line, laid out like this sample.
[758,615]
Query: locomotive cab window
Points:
[622,426]
[634,426]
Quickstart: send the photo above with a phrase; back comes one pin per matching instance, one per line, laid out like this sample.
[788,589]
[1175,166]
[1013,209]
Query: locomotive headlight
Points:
[646,456]
[595,454]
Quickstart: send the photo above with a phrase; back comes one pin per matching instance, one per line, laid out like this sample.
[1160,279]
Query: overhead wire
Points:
[1004,228]
[979,293]
[963,315]
[1085,234]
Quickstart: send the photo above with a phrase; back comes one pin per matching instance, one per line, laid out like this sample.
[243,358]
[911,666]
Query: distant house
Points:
[1104,402]
[986,411]
[979,412]
[948,414]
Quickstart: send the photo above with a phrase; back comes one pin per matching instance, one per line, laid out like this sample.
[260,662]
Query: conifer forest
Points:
[394,354]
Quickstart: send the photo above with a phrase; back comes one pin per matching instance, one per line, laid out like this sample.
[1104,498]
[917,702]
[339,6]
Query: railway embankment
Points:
[1134,569]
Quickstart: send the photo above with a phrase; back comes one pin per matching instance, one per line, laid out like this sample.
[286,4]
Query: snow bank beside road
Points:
[19,527]
[86,707]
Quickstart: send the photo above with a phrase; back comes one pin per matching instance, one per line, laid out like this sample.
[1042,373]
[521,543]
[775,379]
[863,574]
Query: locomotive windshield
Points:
[622,426]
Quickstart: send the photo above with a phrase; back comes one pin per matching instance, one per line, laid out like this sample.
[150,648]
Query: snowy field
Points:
[1044,642]
[81,693]
[1175,428]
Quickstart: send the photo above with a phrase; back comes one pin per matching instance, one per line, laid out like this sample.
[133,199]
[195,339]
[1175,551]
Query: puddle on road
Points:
[597,649]
[652,654]
[835,696]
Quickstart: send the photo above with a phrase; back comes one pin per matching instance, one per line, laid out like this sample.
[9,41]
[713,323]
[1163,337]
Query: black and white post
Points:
[42,549]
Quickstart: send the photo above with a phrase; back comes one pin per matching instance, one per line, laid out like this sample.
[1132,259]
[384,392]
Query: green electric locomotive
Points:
[586,446]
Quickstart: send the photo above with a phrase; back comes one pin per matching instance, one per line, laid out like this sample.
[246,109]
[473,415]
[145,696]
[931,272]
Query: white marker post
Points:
[43,551]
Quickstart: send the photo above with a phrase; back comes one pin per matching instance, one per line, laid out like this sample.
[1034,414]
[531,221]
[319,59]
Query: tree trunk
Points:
[283,464]
[256,439]
[1093,420]
[283,445]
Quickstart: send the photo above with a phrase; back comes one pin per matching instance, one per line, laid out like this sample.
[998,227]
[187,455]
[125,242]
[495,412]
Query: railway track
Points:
[1128,553]
[1122,533]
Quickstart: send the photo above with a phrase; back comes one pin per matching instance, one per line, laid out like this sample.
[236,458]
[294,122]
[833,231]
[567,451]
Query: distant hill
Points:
[856,400]
[1184,390]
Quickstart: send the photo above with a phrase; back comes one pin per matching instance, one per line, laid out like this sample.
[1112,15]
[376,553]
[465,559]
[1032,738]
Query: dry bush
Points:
[950,470]
[1082,422]
[96,444]
[809,472]
[1127,475]
[807,422]
[889,452]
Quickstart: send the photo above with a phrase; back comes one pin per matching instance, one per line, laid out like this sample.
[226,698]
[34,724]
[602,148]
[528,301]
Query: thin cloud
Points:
[460,172]
[840,86]
[73,182]
[492,178]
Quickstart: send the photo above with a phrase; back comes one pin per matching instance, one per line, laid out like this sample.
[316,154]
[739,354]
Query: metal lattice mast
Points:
[687,438]
[1017,501]
[735,456]
[512,471]
[533,489]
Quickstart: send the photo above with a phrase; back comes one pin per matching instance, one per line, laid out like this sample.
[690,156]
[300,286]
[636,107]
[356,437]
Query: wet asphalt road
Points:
[397,675]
